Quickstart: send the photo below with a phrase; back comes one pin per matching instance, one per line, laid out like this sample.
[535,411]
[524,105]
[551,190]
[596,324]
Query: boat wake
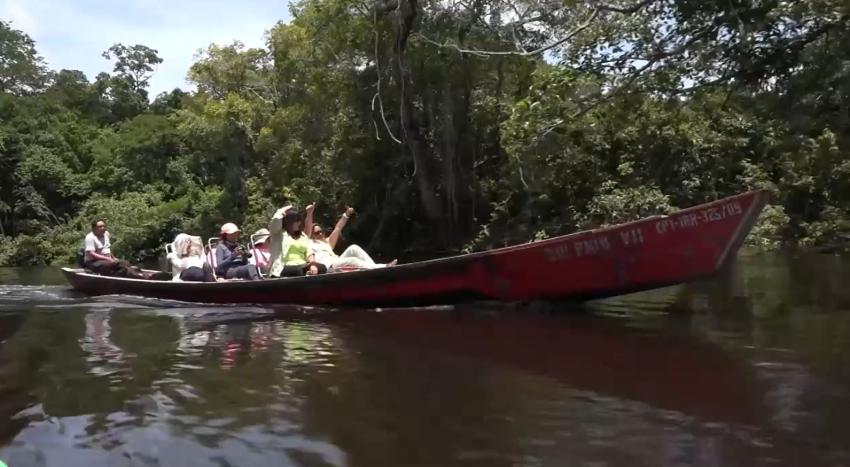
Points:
[57,299]
[16,296]
[16,299]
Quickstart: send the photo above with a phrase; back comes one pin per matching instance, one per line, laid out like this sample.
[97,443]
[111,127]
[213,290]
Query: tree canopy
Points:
[450,125]
[21,68]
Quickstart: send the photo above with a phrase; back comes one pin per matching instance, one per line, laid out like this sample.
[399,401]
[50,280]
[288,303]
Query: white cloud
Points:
[73,33]
[12,10]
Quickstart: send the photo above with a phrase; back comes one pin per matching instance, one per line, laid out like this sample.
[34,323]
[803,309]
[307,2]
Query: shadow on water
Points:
[666,371]
[746,370]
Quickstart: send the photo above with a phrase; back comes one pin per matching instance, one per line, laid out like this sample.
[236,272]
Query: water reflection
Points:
[104,358]
[746,370]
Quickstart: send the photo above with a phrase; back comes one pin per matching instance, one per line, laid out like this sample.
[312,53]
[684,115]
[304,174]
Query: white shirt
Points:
[178,264]
[324,253]
[92,243]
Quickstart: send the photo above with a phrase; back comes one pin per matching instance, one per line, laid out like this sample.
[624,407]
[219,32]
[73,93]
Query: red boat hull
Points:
[691,244]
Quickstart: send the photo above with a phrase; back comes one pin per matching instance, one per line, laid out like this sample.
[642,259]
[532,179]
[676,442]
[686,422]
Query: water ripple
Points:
[123,381]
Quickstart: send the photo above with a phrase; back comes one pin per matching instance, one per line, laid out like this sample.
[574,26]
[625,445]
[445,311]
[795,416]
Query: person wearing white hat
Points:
[262,236]
[188,262]
[262,255]
[231,259]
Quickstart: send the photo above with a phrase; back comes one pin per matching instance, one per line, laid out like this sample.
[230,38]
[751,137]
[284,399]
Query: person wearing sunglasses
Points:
[352,258]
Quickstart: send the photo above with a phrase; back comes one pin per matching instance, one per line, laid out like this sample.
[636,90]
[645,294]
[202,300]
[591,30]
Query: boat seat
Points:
[169,248]
[262,255]
[212,242]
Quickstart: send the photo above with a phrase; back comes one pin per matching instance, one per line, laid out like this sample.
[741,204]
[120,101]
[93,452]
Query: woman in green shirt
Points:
[294,257]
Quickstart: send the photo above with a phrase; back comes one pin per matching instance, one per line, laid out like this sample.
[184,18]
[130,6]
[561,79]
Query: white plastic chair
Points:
[212,242]
[169,248]
[259,253]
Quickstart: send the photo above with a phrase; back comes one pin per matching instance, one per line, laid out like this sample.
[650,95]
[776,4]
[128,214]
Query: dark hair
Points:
[94,224]
[291,216]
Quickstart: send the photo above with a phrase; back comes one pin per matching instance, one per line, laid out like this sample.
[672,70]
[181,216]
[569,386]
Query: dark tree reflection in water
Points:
[747,370]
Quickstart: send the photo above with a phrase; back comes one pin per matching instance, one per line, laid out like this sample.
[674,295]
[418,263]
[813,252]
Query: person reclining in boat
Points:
[352,257]
[231,259]
[262,254]
[97,251]
[290,248]
[188,262]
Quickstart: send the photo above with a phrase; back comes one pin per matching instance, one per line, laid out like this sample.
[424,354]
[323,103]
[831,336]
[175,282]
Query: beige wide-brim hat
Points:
[229,228]
[261,236]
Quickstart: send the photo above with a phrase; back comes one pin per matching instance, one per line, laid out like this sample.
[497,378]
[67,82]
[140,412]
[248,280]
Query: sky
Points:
[72,34]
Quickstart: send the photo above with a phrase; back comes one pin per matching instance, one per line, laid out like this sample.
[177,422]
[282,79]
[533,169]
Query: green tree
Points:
[22,70]
[126,91]
[222,70]
[447,124]
[134,64]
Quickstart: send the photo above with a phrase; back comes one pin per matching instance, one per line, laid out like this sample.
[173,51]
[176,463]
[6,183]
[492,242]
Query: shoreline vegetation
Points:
[450,126]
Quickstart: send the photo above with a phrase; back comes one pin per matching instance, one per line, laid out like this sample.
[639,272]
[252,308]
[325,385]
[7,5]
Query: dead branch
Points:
[531,53]
[626,10]
[378,95]
[522,20]
[598,99]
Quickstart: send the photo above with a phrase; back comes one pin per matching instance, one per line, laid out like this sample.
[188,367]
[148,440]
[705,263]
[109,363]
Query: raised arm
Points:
[276,224]
[308,221]
[340,224]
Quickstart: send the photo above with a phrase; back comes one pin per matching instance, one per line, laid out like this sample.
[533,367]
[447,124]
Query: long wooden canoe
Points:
[690,244]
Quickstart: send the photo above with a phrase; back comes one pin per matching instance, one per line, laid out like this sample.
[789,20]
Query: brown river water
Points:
[752,369]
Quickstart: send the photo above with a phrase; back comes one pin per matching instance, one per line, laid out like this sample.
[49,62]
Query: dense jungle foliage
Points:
[450,125]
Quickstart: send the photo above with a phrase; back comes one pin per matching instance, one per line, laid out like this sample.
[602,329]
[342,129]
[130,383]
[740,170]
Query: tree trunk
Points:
[411,132]
[463,186]
[450,143]
[387,211]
